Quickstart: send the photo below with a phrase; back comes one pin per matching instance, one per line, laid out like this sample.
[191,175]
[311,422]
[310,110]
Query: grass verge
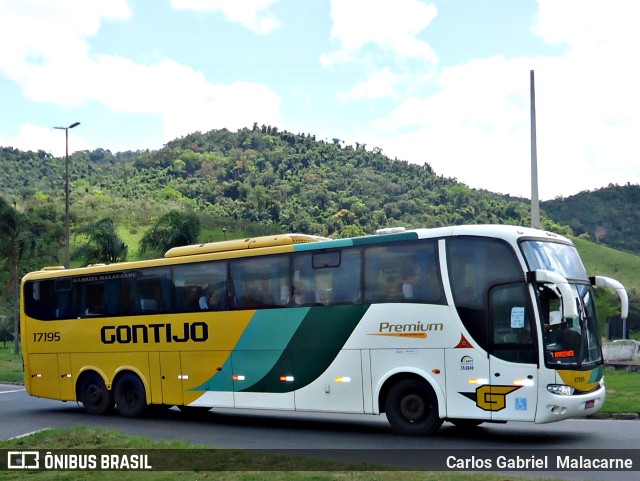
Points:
[623,391]
[10,364]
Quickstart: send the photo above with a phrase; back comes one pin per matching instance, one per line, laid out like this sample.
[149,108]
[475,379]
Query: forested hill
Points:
[261,181]
[290,182]
[610,216]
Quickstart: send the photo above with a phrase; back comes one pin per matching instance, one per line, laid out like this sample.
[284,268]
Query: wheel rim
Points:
[130,396]
[413,408]
[94,394]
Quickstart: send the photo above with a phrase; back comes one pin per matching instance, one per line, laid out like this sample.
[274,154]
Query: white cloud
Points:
[252,14]
[378,85]
[392,27]
[49,46]
[225,106]
[476,127]
[51,61]
[35,138]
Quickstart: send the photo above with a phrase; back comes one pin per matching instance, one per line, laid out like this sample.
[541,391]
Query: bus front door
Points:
[513,355]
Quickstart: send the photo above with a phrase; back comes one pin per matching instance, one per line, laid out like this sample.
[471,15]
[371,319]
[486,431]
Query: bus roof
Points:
[239,244]
[304,242]
[507,232]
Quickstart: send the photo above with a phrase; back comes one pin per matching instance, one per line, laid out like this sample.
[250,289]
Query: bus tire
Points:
[93,394]
[130,395]
[412,408]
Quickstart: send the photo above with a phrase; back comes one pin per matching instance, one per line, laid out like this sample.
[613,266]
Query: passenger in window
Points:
[284,294]
[193,299]
[410,276]
[203,300]
[213,300]
[95,304]
[392,290]
[217,300]
[257,294]
[324,296]
[94,310]
[302,292]
[324,289]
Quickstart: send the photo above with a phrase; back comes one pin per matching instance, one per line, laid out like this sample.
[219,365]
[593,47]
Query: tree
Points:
[173,229]
[6,331]
[103,244]
[17,243]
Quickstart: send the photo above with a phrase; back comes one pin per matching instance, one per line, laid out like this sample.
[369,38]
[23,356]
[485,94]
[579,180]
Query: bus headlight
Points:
[560,389]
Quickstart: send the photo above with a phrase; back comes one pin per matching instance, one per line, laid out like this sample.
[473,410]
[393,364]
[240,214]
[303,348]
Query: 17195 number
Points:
[46,336]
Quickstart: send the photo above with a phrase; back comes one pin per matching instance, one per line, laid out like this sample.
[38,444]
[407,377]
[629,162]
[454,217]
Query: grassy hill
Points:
[609,216]
[603,260]
[622,266]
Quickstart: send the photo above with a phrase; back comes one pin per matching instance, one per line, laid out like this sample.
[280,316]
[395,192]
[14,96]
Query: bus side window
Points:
[91,301]
[303,287]
[475,265]
[404,272]
[40,300]
[261,282]
[146,292]
[324,278]
[64,298]
[200,287]
[346,278]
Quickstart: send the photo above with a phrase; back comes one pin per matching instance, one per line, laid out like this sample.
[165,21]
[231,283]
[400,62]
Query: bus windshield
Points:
[569,343]
[555,257]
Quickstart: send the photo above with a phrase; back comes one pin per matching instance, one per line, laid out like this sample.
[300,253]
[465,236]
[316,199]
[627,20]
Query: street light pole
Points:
[67,262]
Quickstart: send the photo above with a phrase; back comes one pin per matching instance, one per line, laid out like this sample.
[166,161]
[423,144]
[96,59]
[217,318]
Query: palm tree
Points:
[103,244]
[17,243]
[173,229]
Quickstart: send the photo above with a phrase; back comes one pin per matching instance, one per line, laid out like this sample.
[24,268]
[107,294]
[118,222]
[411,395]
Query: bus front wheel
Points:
[94,395]
[412,408]
[130,395]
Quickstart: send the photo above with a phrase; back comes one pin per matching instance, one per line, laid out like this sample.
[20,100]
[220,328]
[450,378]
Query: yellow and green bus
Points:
[467,324]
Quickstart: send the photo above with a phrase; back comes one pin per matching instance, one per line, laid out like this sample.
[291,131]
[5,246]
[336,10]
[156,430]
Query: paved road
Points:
[337,435]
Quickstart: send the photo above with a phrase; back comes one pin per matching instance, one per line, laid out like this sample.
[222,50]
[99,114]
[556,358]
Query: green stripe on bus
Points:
[300,343]
[597,374]
[312,349]
[384,239]
[272,328]
[358,241]
[330,244]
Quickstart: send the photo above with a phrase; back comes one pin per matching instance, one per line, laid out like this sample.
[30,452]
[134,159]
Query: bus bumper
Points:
[553,407]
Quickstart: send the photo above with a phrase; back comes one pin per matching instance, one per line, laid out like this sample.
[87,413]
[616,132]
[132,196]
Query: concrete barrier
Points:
[623,350]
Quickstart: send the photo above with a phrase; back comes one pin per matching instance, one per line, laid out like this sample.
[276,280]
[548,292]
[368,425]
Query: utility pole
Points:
[67,261]
[535,201]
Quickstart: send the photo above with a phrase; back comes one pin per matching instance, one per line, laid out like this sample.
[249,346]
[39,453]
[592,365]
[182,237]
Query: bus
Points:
[465,324]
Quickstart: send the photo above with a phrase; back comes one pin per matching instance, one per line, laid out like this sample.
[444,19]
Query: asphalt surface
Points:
[345,438]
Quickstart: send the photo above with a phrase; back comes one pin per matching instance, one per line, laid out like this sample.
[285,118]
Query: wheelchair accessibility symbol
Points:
[521,404]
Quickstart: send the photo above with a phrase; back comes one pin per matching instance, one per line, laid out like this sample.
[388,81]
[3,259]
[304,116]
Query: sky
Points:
[443,82]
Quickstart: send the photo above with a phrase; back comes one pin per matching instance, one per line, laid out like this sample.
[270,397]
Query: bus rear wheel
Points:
[130,395]
[412,408]
[94,395]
